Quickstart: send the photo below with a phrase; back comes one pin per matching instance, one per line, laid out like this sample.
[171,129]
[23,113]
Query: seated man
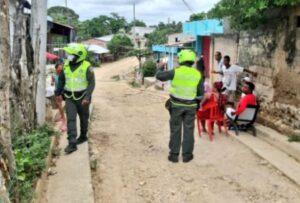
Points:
[248,99]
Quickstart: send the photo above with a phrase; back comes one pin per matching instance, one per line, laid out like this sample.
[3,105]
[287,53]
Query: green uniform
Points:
[76,83]
[186,85]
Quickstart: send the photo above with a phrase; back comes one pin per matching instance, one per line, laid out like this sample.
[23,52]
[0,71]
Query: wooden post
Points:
[39,40]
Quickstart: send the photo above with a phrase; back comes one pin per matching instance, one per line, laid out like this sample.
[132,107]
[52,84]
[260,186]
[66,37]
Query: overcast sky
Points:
[150,11]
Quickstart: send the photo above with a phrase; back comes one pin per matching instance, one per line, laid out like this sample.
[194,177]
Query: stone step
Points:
[287,165]
[279,141]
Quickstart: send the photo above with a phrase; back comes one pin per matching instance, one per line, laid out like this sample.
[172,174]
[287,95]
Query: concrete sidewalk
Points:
[275,149]
[72,183]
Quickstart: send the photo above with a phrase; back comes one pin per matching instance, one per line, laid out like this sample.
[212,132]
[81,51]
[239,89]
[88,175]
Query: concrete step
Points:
[263,145]
[279,141]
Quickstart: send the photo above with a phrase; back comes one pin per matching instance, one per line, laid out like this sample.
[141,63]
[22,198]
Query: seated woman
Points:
[248,99]
[210,98]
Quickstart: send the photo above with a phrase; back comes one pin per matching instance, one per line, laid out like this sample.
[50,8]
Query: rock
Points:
[187,179]
[205,186]
[263,162]
[51,172]
[142,183]
[53,162]
[93,162]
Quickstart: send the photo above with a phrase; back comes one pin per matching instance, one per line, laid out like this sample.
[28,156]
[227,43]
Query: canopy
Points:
[52,56]
[97,49]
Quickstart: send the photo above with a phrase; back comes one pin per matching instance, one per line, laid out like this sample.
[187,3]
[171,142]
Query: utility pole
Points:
[134,20]
[39,40]
[66,3]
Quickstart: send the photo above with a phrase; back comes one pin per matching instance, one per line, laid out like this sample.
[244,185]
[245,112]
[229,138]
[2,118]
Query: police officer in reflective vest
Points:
[76,85]
[186,88]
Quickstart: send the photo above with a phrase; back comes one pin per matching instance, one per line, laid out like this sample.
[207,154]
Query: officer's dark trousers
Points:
[182,116]
[72,109]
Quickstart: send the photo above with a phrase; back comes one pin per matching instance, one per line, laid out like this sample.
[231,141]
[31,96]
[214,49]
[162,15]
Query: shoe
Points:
[70,148]
[81,139]
[173,158]
[187,158]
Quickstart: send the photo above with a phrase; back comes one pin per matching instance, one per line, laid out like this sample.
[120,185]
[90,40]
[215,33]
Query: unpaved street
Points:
[129,138]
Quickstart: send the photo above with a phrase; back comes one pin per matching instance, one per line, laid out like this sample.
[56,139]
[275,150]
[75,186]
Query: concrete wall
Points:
[274,53]
[181,37]
[227,45]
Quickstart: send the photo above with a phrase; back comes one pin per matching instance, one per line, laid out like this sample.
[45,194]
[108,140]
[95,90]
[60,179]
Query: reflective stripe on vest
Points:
[185,82]
[76,81]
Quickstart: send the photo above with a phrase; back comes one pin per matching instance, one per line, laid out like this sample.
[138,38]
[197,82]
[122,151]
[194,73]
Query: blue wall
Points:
[203,27]
[164,49]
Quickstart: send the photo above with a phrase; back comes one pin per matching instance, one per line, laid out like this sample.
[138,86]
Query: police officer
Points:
[76,85]
[186,87]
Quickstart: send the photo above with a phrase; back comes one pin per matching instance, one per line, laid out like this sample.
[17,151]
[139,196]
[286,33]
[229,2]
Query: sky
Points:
[149,11]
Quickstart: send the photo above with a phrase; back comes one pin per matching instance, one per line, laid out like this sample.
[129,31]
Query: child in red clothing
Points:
[248,99]
[214,97]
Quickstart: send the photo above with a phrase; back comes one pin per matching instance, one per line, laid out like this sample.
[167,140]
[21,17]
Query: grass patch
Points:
[116,77]
[294,138]
[134,84]
[31,150]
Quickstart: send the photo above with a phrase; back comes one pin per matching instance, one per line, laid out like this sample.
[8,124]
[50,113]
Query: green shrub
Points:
[149,68]
[294,138]
[31,150]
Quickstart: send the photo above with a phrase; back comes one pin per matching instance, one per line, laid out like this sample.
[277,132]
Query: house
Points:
[196,35]
[99,47]
[58,35]
[137,36]
[104,40]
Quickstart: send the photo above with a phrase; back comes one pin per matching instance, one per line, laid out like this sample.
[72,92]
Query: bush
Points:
[31,151]
[119,46]
[149,68]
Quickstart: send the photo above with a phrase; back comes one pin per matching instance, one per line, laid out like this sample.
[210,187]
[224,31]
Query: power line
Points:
[188,6]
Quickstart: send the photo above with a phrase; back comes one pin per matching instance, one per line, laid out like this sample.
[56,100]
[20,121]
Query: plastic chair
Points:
[215,115]
[245,120]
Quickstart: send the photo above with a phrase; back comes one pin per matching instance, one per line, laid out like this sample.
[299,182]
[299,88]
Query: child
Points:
[214,96]
[55,78]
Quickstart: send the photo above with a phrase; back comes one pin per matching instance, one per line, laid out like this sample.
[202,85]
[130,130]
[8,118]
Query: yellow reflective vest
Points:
[76,81]
[185,82]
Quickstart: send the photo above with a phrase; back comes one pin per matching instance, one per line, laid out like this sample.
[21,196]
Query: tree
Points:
[246,14]
[137,23]
[116,22]
[6,153]
[64,15]
[198,16]
[120,45]
[160,35]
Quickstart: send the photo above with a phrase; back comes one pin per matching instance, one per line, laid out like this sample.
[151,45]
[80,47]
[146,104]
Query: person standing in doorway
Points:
[76,85]
[186,87]
[201,66]
[218,67]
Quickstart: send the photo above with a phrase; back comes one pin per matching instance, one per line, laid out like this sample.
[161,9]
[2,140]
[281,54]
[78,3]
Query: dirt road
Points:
[129,139]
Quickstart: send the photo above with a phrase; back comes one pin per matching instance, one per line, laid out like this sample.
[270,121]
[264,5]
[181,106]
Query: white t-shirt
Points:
[230,76]
[219,69]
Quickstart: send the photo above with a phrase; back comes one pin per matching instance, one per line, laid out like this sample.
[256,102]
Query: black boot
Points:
[82,139]
[187,158]
[173,158]
[70,148]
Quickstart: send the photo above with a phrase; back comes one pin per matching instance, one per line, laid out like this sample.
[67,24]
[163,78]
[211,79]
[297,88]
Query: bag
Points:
[168,105]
